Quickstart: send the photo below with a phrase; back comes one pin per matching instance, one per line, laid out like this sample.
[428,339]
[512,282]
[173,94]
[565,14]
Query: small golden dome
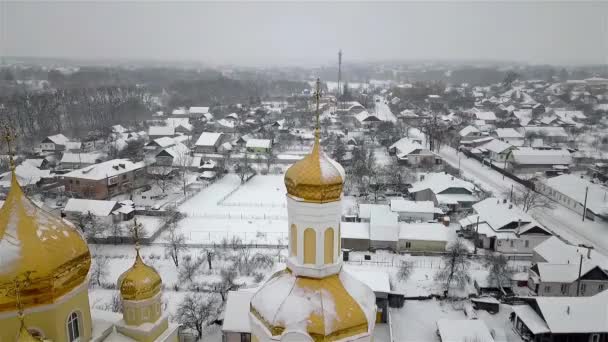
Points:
[140,282]
[316,178]
[327,309]
[33,241]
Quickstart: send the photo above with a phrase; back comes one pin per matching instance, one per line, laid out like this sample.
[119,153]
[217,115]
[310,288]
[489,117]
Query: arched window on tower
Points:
[73,327]
[293,240]
[329,246]
[310,246]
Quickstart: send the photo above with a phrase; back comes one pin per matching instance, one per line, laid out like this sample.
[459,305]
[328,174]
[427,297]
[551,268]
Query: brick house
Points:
[104,180]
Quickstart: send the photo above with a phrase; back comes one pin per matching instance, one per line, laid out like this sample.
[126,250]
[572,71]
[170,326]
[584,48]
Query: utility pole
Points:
[511,195]
[339,77]
[585,205]
[580,268]
[476,235]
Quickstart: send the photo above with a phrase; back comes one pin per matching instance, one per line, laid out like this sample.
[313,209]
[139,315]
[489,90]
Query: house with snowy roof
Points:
[410,151]
[106,179]
[503,227]
[181,111]
[155,132]
[463,330]
[496,150]
[208,142]
[71,161]
[531,160]
[54,143]
[412,211]
[469,133]
[560,319]
[198,112]
[422,237]
[28,176]
[509,136]
[258,145]
[446,191]
[549,134]
[235,327]
[489,117]
[177,155]
[107,212]
[575,192]
[365,119]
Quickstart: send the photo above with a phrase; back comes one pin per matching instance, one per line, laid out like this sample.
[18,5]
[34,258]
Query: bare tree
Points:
[226,283]
[246,262]
[528,199]
[197,311]
[100,269]
[243,167]
[499,272]
[176,243]
[163,176]
[455,266]
[405,269]
[188,268]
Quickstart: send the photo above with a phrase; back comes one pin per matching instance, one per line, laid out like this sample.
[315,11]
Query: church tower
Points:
[140,291]
[313,299]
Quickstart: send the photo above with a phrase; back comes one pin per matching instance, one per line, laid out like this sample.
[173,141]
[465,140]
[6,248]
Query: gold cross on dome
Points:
[20,282]
[136,230]
[317,96]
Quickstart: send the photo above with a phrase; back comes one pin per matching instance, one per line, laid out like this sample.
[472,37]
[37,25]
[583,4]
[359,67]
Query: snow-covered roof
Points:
[179,111]
[574,187]
[208,139]
[37,163]
[575,314]
[118,129]
[258,143]
[532,320]
[570,114]
[378,281]
[531,156]
[199,110]
[26,175]
[161,130]
[365,116]
[85,206]
[236,315]
[496,146]
[524,116]
[73,145]
[423,232]
[84,158]
[507,133]
[486,116]
[354,230]
[162,142]
[455,198]
[179,122]
[499,214]
[547,131]
[463,330]
[226,123]
[554,250]
[106,169]
[562,273]
[439,182]
[180,153]
[405,146]
[468,130]
[400,205]
[383,224]
[58,139]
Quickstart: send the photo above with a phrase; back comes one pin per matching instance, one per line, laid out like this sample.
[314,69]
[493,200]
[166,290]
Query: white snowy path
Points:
[561,221]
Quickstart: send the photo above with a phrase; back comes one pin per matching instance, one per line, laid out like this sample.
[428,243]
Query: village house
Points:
[500,226]
[469,133]
[496,150]
[509,136]
[258,145]
[106,179]
[463,330]
[29,177]
[71,161]
[556,266]
[177,155]
[198,112]
[562,319]
[531,160]
[159,144]
[422,237]
[235,327]
[575,192]
[446,191]
[549,134]
[411,152]
[107,212]
[54,143]
[208,142]
[155,132]
[413,211]
[365,119]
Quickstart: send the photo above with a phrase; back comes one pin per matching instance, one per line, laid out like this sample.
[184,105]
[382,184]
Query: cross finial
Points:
[317,96]
[20,282]
[9,137]
[136,230]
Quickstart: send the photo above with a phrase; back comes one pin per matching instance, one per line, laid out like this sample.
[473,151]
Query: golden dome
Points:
[25,336]
[34,242]
[316,178]
[328,309]
[140,282]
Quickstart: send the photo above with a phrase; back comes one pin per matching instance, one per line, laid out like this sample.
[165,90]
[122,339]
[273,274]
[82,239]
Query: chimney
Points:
[452,178]
[504,200]
[568,310]
[510,206]
[518,226]
[588,253]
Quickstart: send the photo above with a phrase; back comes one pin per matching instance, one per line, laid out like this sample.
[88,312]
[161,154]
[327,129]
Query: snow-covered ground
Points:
[417,320]
[560,220]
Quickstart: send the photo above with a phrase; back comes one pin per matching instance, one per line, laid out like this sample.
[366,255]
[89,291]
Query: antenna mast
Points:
[339,78]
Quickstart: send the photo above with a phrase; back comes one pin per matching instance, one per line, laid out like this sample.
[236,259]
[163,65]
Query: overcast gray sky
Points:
[309,33]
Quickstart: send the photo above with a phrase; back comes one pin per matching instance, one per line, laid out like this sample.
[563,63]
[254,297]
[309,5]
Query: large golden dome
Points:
[34,242]
[316,178]
[140,282]
[327,309]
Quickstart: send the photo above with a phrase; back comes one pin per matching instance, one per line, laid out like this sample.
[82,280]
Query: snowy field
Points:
[260,191]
